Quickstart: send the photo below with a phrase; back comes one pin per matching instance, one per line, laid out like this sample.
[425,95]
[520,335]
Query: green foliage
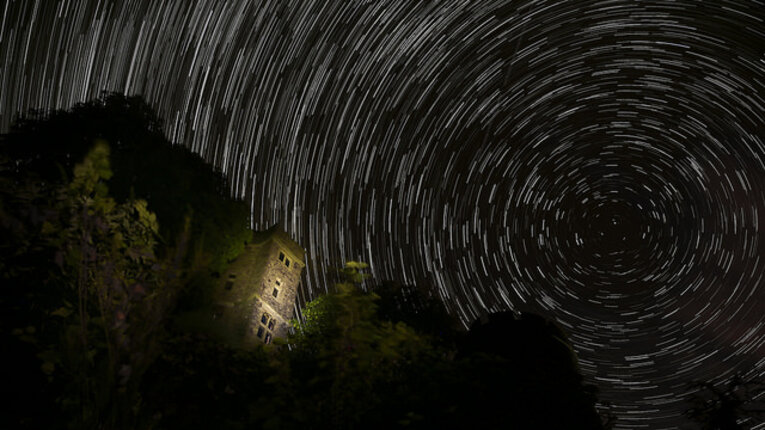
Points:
[91,279]
[420,307]
[345,361]
[91,272]
[175,183]
[99,312]
[350,366]
[197,383]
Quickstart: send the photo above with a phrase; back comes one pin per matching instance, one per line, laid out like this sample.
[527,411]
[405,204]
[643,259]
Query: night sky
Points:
[601,163]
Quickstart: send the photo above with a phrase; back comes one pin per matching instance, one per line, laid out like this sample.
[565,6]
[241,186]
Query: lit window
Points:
[287,262]
[260,331]
[281,256]
[268,338]
[264,318]
[276,292]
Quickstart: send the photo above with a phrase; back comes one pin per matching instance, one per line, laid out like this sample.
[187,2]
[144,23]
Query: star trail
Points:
[599,162]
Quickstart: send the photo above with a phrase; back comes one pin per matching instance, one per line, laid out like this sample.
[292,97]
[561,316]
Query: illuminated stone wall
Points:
[256,295]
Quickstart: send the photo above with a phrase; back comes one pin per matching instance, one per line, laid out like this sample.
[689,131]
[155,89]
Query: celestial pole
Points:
[601,163]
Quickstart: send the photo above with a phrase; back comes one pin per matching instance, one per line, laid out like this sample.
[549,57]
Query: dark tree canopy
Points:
[737,404]
[94,218]
[174,181]
[93,200]
[506,372]
[530,362]
[419,307]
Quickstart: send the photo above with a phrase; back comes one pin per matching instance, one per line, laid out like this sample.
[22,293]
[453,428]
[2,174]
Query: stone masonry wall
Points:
[245,297]
[276,276]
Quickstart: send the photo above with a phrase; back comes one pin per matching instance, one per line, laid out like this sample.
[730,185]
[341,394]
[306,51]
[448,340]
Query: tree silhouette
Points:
[419,307]
[176,183]
[735,405]
[90,276]
[529,361]
[95,209]
[96,300]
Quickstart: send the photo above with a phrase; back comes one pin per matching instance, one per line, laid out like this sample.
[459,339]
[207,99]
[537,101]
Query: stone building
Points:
[255,298]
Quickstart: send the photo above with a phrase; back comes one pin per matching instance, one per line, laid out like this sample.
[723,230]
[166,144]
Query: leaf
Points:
[62,312]
[119,240]
[28,339]
[47,228]
[48,367]
[356,265]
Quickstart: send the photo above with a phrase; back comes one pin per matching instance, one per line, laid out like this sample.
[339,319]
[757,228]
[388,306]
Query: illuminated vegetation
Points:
[95,263]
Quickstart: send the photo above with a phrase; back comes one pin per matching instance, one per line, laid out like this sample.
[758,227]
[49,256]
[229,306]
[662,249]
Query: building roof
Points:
[277,233]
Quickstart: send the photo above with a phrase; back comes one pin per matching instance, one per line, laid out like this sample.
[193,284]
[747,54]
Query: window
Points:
[260,332]
[229,285]
[287,262]
[271,325]
[281,256]
[276,292]
[278,283]
[268,338]
[264,318]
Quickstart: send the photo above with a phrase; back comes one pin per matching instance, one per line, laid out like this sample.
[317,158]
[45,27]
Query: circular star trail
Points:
[599,162]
